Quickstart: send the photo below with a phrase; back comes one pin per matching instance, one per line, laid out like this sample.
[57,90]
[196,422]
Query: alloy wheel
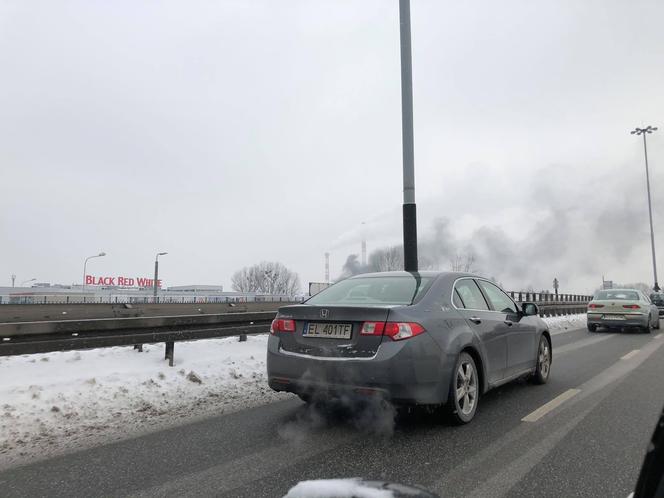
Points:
[466,387]
[544,358]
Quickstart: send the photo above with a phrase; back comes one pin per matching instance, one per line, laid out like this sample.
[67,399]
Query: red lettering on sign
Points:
[121,281]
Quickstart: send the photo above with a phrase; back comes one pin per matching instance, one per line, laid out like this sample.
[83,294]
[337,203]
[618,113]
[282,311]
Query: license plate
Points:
[614,317]
[329,330]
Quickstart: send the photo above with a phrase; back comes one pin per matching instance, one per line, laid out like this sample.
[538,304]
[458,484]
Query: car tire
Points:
[592,327]
[658,325]
[464,392]
[305,397]
[543,368]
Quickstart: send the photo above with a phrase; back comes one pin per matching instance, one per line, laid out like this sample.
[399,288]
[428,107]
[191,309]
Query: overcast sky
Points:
[231,132]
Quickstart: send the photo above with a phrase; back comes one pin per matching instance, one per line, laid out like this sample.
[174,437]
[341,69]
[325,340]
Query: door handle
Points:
[509,323]
[475,320]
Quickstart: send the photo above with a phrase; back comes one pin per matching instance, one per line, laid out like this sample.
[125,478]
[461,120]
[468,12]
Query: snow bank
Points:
[562,324]
[55,401]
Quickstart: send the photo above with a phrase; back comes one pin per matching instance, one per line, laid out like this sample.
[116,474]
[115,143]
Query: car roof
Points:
[619,290]
[424,273]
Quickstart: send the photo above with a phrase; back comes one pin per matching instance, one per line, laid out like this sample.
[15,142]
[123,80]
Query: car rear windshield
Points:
[373,291]
[624,295]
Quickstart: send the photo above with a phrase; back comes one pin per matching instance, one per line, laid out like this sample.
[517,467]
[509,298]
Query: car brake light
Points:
[394,330]
[372,328]
[631,306]
[282,325]
[595,306]
[399,330]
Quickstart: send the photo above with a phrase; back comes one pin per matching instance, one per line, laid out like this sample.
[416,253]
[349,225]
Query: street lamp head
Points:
[162,253]
[641,131]
[101,254]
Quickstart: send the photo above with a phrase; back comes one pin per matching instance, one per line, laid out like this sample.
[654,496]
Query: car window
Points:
[470,295]
[499,300]
[657,299]
[617,294]
[373,291]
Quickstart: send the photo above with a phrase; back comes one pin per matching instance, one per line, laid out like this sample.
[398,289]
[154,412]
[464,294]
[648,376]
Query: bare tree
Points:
[463,262]
[266,277]
[386,259]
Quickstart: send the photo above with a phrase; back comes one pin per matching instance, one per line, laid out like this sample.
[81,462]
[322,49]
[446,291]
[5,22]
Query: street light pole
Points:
[644,132]
[409,209]
[86,264]
[156,274]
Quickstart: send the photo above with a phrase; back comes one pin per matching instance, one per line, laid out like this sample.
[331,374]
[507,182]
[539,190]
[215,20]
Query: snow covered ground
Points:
[53,402]
[562,324]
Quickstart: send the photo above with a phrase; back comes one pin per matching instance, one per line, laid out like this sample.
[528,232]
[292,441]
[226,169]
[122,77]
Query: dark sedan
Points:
[433,338]
[657,299]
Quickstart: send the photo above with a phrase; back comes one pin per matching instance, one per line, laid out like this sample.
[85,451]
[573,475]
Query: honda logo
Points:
[324,313]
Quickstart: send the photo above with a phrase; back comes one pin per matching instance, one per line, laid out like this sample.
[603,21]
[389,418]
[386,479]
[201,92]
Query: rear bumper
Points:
[410,371]
[630,320]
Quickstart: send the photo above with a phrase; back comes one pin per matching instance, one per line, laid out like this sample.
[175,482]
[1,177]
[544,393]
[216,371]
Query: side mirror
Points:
[530,309]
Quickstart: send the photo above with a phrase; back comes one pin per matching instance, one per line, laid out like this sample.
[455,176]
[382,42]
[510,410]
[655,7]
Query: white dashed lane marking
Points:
[551,405]
[631,354]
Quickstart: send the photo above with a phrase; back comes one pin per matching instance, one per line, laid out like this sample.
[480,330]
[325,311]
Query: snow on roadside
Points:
[561,324]
[52,402]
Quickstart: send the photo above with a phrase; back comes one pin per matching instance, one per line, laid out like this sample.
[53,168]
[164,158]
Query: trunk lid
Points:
[616,307]
[332,331]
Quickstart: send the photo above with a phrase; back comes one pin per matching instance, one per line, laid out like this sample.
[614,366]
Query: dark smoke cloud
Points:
[353,266]
[548,225]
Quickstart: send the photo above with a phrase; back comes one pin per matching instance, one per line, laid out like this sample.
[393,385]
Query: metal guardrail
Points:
[48,312]
[554,304]
[548,298]
[43,337]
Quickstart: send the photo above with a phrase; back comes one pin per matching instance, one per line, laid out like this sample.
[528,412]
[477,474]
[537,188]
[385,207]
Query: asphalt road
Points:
[604,395]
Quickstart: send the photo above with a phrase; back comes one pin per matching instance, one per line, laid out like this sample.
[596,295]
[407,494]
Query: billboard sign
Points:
[121,281]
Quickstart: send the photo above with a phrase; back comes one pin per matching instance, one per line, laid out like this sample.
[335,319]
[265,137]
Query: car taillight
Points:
[595,306]
[631,306]
[400,330]
[394,330]
[282,325]
[372,328]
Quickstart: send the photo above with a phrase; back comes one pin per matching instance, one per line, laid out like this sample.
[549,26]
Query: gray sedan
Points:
[433,338]
[621,308]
